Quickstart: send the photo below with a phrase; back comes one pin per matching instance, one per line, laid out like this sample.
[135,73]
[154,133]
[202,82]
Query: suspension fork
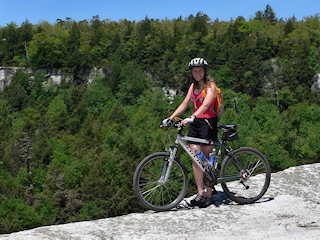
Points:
[172,151]
[168,164]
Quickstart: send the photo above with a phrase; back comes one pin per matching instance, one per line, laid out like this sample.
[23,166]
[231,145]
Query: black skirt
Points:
[204,128]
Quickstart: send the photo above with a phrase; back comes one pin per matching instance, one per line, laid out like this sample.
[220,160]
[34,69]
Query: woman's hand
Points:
[167,122]
[187,120]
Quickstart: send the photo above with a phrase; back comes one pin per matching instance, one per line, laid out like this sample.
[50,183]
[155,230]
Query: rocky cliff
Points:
[289,210]
[7,73]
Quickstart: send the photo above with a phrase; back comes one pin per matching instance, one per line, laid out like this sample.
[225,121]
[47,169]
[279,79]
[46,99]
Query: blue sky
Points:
[135,10]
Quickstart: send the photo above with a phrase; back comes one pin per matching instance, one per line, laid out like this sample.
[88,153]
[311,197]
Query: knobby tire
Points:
[149,190]
[251,188]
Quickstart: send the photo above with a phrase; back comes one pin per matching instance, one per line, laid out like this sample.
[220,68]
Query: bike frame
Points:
[181,140]
[161,179]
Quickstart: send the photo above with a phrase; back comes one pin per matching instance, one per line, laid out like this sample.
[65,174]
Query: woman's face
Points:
[198,73]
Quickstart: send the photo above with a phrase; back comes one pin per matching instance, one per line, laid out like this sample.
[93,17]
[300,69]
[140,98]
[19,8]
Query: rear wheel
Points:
[248,175]
[150,188]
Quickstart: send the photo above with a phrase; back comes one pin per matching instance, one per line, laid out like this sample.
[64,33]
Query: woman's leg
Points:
[207,150]
[197,172]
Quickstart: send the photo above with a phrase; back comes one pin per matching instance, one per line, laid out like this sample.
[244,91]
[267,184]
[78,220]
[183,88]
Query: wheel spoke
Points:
[156,194]
[254,179]
[151,190]
[147,184]
[257,165]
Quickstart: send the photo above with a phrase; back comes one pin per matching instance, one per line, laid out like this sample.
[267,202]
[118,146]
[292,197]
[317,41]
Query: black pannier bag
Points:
[230,135]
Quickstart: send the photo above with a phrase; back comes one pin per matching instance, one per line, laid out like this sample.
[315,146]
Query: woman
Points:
[203,123]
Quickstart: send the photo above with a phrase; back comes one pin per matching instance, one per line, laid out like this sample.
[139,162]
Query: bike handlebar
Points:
[176,122]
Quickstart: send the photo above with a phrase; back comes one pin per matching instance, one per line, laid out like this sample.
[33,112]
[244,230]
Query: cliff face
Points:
[316,85]
[289,210]
[7,73]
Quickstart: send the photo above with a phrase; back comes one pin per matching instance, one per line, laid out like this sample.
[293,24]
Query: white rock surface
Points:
[289,210]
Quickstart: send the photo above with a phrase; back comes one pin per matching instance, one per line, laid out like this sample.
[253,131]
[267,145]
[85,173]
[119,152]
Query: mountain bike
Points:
[161,180]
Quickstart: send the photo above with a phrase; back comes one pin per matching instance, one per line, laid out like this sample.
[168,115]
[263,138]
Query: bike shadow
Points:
[222,199]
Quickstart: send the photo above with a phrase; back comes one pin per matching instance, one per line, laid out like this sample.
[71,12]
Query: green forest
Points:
[68,152]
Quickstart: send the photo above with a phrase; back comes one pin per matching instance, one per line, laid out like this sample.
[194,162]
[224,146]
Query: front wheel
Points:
[149,184]
[245,175]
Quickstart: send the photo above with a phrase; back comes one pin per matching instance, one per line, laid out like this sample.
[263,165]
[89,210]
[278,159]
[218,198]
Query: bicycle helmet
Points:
[198,62]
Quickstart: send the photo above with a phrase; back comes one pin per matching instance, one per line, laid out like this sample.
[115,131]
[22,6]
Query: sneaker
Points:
[197,201]
[207,202]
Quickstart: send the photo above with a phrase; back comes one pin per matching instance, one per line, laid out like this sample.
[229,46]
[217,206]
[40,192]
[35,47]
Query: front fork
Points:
[168,164]
[172,154]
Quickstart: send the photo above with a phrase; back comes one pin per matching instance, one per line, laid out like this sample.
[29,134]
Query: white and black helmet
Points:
[196,62]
